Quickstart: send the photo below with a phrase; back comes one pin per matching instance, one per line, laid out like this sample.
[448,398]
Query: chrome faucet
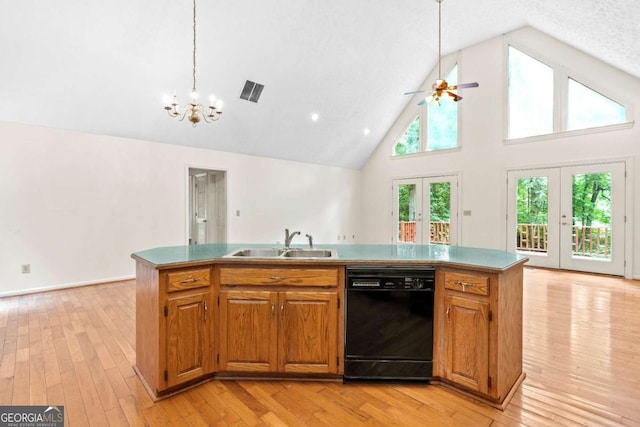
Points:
[288,237]
[310,237]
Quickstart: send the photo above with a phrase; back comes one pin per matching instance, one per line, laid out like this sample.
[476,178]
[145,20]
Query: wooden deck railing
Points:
[591,241]
[407,231]
[587,241]
[439,232]
[532,237]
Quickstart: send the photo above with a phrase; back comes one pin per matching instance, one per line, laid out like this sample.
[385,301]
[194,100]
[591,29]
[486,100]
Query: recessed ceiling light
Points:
[366,131]
[315,117]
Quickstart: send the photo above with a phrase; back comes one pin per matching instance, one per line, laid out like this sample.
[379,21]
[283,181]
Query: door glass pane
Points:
[592,215]
[439,212]
[407,213]
[531,227]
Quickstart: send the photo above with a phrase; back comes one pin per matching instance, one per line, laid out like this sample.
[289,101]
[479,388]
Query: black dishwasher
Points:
[389,323]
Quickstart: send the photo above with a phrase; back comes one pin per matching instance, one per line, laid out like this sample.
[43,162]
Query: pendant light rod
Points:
[194,45]
[439,38]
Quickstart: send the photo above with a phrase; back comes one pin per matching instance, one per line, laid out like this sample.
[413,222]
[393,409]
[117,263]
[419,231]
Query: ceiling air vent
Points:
[251,91]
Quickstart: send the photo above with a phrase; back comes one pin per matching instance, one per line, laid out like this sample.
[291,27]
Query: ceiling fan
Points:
[441,86]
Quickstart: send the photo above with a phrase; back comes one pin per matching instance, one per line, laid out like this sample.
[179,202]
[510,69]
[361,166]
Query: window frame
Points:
[422,112]
[408,123]
[561,75]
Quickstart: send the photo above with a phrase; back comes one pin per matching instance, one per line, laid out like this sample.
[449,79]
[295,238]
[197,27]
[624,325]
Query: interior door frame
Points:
[218,219]
[628,202]
[455,203]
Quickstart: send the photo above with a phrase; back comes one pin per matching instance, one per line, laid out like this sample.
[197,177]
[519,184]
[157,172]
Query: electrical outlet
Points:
[26,268]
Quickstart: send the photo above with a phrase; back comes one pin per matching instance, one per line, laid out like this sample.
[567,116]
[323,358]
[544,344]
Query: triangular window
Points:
[409,142]
[588,108]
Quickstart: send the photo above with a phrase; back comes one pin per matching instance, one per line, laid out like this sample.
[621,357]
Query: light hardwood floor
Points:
[76,348]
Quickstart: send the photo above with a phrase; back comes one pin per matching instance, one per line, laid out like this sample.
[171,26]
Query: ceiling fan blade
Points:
[414,92]
[453,96]
[464,85]
[422,102]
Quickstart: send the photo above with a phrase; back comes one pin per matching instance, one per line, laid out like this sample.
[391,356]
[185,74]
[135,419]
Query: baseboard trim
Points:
[64,286]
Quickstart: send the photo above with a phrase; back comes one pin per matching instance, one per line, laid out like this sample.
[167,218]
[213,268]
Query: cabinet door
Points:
[467,342]
[248,331]
[308,332]
[189,354]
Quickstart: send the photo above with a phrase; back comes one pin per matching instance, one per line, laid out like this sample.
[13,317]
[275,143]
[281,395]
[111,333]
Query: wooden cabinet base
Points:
[155,397]
[234,376]
[480,398]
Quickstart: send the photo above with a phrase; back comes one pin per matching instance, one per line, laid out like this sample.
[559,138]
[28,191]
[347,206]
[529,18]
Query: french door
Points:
[570,217]
[425,210]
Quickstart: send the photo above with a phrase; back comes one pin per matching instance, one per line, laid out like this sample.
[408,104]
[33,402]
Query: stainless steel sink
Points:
[309,253]
[257,252]
[281,253]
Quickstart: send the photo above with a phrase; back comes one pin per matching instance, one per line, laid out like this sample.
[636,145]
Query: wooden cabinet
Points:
[173,326]
[478,330]
[189,355]
[248,330]
[282,320]
[467,342]
[308,332]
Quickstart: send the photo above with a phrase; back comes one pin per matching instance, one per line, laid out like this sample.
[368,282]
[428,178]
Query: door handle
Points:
[273,309]
[448,308]
[206,310]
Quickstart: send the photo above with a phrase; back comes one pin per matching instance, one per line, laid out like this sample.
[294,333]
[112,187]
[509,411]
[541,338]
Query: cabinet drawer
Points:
[279,276]
[467,283]
[188,279]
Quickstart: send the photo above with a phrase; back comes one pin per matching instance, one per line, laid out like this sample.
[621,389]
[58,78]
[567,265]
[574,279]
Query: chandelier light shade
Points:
[194,111]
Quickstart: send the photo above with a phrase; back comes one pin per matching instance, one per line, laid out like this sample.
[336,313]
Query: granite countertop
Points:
[487,259]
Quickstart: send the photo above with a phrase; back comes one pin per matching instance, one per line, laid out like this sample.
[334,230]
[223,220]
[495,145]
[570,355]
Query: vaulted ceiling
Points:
[104,66]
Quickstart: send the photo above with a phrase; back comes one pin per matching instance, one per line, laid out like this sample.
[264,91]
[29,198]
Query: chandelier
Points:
[193,110]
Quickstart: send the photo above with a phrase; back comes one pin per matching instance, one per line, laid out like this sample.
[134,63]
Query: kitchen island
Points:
[202,314]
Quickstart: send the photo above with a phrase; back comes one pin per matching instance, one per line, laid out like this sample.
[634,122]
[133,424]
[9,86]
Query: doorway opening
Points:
[569,217]
[425,210]
[207,206]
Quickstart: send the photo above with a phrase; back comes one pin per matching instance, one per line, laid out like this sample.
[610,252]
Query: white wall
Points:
[484,157]
[75,206]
